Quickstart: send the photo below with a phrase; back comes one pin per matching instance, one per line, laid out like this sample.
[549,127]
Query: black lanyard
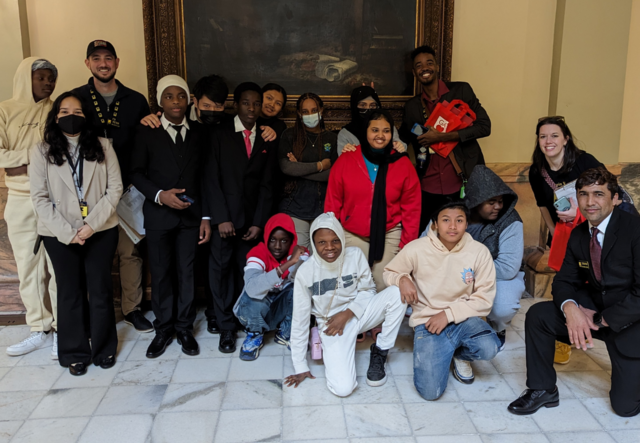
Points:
[77,170]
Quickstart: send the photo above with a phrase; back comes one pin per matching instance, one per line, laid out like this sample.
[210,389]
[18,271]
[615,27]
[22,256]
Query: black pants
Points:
[544,325]
[226,276]
[171,257]
[431,203]
[82,269]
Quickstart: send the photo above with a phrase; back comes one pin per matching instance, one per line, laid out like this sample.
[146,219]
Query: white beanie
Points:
[171,80]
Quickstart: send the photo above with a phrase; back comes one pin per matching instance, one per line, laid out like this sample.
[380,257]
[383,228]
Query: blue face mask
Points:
[311,121]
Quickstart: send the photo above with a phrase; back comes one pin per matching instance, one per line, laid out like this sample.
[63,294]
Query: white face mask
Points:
[311,121]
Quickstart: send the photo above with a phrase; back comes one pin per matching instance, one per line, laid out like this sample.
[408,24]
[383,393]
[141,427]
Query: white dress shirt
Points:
[240,127]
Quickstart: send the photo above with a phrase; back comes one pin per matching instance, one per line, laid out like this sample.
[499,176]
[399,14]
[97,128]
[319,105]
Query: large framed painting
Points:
[326,47]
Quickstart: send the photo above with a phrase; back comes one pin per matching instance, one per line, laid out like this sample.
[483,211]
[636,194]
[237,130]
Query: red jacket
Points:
[350,195]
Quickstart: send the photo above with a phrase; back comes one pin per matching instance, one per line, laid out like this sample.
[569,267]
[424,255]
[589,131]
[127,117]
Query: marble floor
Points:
[216,397]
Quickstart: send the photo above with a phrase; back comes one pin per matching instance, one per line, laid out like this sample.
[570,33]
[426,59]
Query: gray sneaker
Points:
[35,340]
[54,348]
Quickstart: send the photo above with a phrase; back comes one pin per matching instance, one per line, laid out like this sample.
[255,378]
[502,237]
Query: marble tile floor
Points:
[215,397]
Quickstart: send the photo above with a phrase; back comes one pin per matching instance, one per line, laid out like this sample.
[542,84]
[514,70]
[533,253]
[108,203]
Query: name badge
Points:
[583,264]
[84,209]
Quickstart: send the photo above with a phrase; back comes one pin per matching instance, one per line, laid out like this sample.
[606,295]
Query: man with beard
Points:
[118,112]
[441,178]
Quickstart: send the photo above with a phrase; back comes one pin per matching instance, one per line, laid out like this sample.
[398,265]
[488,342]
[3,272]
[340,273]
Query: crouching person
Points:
[450,281]
[335,285]
[267,299]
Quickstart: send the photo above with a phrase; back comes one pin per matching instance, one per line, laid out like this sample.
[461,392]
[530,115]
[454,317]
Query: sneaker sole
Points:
[377,383]
[54,357]
[248,357]
[466,381]
[142,331]
[546,405]
[19,353]
[566,362]
[280,342]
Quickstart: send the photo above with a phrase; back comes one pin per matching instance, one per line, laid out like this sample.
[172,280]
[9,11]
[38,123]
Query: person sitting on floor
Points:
[450,281]
[267,299]
[336,286]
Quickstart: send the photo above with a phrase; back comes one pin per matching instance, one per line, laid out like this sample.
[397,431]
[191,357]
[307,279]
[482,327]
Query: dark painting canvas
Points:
[327,47]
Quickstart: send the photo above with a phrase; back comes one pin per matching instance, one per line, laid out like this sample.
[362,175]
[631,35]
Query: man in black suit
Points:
[239,173]
[596,294]
[167,169]
[440,178]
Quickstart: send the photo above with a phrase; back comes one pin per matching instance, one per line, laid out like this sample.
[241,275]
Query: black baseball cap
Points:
[100,44]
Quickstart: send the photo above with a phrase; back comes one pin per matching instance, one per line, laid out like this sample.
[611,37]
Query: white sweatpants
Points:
[339,351]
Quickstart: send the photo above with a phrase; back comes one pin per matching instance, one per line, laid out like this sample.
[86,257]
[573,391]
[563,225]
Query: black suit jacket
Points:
[156,166]
[617,296]
[467,151]
[239,189]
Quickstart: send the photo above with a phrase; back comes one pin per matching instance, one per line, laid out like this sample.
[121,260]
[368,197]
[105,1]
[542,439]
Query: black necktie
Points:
[179,140]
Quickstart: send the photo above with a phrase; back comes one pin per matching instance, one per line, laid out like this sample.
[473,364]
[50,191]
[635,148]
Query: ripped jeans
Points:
[473,339]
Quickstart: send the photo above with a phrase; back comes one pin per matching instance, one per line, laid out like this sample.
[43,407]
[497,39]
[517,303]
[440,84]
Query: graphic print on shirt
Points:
[327,147]
[468,276]
[329,284]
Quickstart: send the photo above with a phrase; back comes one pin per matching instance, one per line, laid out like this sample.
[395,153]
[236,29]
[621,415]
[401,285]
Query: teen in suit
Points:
[166,168]
[239,175]
[596,294]
[75,187]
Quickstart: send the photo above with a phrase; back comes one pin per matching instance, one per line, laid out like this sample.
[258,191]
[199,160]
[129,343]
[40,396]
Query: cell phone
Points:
[562,204]
[418,129]
[185,198]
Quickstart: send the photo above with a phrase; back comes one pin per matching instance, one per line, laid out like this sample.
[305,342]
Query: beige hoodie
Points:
[460,282]
[22,123]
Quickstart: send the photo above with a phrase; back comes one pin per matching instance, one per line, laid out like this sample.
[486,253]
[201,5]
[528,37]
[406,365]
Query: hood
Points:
[281,221]
[485,184]
[328,221]
[432,237]
[22,90]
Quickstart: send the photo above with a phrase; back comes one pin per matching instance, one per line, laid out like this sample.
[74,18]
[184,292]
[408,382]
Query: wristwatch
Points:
[597,320]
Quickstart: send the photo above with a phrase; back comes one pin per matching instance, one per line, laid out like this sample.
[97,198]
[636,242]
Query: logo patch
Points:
[468,276]
[327,147]
[583,264]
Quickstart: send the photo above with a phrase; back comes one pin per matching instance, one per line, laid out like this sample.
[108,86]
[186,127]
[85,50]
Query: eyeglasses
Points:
[552,117]
[364,106]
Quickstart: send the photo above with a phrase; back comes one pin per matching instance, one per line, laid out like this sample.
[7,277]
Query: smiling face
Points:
[248,108]
[552,141]
[279,243]
[272,103]
[379,133]
[490,209]
[451,226]
[327,244]
[425,68]
[43,82]
[103,65]
[174,103]
[595,203]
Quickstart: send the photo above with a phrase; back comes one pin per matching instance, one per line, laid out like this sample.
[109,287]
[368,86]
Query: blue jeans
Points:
[473,339]
[265,315]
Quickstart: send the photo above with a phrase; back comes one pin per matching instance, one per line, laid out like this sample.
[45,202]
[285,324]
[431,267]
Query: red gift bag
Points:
[560,240]
[449,117]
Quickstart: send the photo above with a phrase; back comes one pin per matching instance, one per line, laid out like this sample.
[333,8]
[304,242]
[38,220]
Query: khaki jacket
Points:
[54,197]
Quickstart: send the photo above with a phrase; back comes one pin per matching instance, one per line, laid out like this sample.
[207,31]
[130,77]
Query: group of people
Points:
[304,228]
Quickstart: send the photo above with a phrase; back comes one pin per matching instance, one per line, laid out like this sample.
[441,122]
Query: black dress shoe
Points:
[188,342]
[107,362]
[227,342]
[138,321]
[212,326]
[531,400]
[77,369]
[158,345]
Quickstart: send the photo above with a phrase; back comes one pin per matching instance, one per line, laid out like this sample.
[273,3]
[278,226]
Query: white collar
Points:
[166,123]
[603,224]
[240,127]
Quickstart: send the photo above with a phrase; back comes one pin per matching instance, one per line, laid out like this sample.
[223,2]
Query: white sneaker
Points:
[54,348]
[462,371]
[35,340]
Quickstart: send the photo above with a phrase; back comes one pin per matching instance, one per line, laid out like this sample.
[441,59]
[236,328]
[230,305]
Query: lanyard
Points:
[77,170]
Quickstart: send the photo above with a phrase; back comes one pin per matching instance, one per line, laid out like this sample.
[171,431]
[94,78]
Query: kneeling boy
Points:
[452,279]
[267,299]
[336,286]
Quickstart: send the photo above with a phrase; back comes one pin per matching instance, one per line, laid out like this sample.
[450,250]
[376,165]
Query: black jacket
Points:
[239,189]
[467,152]
[617,296]
[156,165]
[120,125]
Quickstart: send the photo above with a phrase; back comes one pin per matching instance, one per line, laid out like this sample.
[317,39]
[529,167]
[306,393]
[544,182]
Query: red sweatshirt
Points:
[350,195]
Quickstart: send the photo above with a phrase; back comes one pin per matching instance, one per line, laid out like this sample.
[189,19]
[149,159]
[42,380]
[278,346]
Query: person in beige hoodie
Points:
[22,120]
[450,281]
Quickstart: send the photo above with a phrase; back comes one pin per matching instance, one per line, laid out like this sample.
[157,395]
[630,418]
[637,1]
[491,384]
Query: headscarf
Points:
[382,158]
[358,124]
[171,80]
[41,63]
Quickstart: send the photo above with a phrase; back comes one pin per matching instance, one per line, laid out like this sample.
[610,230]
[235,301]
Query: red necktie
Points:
[247,141]
[595,250]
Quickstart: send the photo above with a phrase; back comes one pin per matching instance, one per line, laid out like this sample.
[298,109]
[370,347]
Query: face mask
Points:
[365,113]
[71,124]
[211,117]
[311,121]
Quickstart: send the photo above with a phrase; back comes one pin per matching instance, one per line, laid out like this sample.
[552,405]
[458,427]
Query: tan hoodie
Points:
[22,123]
[460,282]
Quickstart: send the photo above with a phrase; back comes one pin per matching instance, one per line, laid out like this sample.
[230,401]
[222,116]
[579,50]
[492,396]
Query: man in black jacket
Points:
[167,169]
[440,178]
[118,111]
[239,175]
[596,294]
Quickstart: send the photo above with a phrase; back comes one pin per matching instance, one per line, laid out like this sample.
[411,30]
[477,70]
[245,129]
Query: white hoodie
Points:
[315,284]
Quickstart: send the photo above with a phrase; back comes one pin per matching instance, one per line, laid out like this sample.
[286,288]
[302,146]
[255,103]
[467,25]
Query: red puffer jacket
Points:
[350,196]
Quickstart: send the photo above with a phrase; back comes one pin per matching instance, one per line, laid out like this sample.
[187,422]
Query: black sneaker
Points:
[138,321]
[376,376]
[502,336]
